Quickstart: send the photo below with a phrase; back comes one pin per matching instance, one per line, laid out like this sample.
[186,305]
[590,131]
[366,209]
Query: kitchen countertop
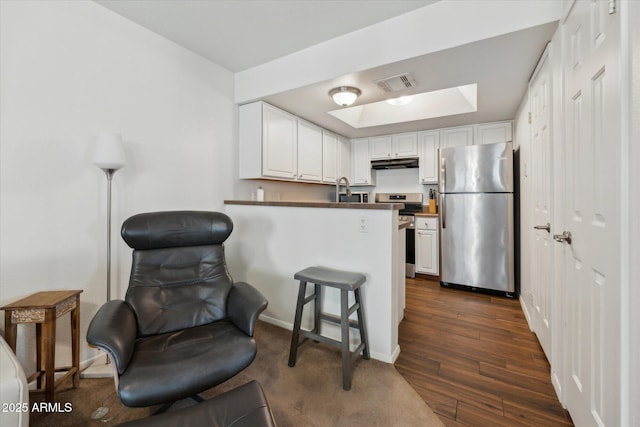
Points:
[433,215]
[378,206]
[403,224]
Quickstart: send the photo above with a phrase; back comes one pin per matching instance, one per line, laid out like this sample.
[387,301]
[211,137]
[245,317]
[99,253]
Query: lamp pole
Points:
[109,156]
[109,173]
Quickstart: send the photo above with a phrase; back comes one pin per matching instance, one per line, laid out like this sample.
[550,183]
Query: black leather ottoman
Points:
[244,406]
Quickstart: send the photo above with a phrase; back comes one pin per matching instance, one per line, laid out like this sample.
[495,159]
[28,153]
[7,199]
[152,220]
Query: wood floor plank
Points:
[474,360]
[530,417]
[473,416]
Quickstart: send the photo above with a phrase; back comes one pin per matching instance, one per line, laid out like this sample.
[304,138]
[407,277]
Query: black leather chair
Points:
[184,325]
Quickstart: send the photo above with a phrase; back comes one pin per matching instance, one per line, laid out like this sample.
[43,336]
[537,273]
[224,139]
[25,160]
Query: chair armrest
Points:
[244,305]
[113,329]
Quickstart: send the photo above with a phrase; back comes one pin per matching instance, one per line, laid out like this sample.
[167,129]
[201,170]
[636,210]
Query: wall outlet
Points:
[363,224]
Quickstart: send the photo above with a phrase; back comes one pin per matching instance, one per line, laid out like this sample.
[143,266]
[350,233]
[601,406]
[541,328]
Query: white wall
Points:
[72,69]
[398,181]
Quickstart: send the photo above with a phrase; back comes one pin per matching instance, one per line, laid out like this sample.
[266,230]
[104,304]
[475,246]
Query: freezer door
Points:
[477,241]
[477,169]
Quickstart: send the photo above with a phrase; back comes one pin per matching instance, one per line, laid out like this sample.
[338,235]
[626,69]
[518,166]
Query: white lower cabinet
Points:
[427,246]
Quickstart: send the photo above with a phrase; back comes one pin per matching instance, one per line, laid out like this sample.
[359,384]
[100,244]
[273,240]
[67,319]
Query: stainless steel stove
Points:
[412,205]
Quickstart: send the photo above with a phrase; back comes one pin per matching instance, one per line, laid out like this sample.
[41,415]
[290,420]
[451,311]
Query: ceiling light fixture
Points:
[403,100]
[344,95]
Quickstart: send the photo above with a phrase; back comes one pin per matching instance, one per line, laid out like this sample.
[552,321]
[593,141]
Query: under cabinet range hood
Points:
[411,162]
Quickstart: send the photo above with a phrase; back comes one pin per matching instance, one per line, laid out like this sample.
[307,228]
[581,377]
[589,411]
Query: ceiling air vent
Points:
[396,83]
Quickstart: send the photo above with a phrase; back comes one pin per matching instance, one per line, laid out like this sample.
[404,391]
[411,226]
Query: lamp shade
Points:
[109,152]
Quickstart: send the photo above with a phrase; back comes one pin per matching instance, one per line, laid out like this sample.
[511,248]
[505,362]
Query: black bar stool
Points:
[345,281]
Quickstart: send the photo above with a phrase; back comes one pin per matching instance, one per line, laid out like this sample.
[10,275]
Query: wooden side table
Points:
[43,308]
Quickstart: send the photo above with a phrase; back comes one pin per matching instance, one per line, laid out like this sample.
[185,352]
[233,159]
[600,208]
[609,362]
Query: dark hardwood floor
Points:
[474,360]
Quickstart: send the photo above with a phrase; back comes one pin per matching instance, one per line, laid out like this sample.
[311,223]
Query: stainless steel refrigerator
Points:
[477,217]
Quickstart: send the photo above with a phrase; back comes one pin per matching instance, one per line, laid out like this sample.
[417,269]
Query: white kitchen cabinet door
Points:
[329,157]
[309,152]
[457,137]
[428,145]
[361,162]
[493,133]
[381,147]
[280,142]
[427,252]
[405,145]
[344,158]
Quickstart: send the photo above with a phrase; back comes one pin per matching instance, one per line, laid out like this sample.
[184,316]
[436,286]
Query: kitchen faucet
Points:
[346,181]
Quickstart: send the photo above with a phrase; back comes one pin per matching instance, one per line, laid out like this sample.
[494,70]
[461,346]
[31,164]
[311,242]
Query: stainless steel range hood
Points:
[411,162]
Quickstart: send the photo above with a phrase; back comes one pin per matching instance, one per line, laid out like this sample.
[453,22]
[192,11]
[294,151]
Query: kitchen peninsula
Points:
[273,240]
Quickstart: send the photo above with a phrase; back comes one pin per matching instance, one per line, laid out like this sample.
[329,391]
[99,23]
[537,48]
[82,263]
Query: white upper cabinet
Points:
[428,144]
[405,145]
[457,137]
[344,158]
[329,157]
[361,162]
[491,133]
[276,144]
[309,152]
[268,140]
[392,146]
[280,143]
[380,147]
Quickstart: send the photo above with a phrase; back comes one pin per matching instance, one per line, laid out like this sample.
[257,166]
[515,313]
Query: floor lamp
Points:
[108,156]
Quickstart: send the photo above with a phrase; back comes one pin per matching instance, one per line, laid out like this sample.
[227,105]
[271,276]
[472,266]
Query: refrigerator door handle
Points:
[443,174]
[443,211]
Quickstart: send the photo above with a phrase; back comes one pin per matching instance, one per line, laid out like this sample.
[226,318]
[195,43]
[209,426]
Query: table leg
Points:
[10,330]
[49,344]
[75,342]
[40,369]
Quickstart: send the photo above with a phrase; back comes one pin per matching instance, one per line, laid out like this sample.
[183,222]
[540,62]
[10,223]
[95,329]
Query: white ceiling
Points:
[501,66]
[242,34]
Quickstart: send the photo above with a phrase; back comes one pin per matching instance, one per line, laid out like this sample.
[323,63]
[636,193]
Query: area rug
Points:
[309,394]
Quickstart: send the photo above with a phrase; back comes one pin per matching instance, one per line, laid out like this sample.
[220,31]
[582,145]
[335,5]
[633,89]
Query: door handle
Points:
[443,211]
[564,237]
[443,174]
[547,227]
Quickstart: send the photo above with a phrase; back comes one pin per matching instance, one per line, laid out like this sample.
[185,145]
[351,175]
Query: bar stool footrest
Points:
[321,338]
[336,319]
